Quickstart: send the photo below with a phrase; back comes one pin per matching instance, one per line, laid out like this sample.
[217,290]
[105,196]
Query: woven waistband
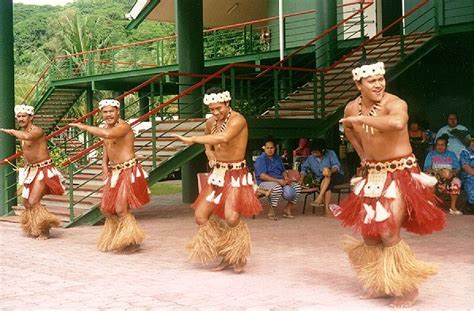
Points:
[124,165]
[41,164]
[391,166]
[230,166]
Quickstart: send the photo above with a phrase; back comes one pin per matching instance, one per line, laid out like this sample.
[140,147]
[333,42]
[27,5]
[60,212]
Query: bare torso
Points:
[121,149]
[381,145]
[35,151]
[234,150]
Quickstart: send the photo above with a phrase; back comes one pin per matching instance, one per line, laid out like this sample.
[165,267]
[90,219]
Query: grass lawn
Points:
[165,187]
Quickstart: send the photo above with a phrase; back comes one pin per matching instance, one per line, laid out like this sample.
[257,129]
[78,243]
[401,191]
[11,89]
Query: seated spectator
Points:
[456,134]
[285,158]
[304,148]
[467,174]
[444,165]
[418,141]
[271,174]
[326,168]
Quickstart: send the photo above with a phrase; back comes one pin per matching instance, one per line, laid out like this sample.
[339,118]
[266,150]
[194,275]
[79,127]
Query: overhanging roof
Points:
[216,12]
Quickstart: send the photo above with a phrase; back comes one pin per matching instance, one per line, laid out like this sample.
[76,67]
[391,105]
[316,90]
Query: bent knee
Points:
[233,221]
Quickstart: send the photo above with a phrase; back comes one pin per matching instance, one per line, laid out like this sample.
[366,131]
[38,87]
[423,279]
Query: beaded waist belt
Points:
[391,166]
[41,164]
[124,165]
[230,166]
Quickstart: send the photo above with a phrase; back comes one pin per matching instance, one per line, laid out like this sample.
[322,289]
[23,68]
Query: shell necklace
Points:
[372,113]
[223,125]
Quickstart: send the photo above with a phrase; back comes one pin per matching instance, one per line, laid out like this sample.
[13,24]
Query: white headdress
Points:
[109,102]
[216,98]
[367,71]
[24,109]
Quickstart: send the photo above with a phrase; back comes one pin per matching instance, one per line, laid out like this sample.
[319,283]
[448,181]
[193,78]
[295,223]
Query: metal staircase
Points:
[55,103]
[339,88]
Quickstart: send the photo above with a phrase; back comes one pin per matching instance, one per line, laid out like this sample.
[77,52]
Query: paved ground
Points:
[296,264]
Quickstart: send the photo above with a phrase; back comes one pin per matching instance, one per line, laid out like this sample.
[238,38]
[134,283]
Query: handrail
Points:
[410,12]
[118,47]
[42,75]
[321,35]
[191,89]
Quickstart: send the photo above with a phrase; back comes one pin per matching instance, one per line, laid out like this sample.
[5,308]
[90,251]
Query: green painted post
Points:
[275,93]
[402,42]
[436,14]
[251,37]
[153,123]
[323,96]
[290,75]
[190,46]
[325,49]
[71,192]
[162,112]
[362,29]
[7,103]
[315,95]
[245,39]
[223,80]
[232,86]
[89,121]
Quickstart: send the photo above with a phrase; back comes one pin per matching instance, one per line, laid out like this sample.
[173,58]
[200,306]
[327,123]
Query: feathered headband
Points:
[216,98]
[367,71]
[24,109]
[109,102]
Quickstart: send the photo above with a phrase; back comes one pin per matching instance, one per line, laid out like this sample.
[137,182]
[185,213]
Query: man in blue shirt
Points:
[467,176]
[271,174]
[326,168]
[455,144]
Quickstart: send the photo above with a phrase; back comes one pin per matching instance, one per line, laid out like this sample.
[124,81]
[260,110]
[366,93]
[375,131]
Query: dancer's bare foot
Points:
[369,295]
[405,301]
[130,249]
[222,266]
[239,267]
[43,236]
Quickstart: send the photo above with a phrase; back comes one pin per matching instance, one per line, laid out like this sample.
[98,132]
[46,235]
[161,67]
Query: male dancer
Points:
[229,192]
[392,193]
[125,181]
[39,177]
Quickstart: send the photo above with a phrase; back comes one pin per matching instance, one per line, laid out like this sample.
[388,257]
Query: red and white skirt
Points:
[43,171]
[230,186]
[386,186]
[125,185]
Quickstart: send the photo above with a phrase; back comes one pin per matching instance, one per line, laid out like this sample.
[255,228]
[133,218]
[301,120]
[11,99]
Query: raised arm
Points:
[106,133]
[35,133]
[234,128]
[395,120]
[350,132]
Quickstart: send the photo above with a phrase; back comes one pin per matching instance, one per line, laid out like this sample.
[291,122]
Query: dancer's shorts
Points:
[37,172]
[230,186]
[386,187]
[126,185]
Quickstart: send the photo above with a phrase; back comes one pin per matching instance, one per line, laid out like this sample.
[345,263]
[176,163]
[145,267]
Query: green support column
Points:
[7,103]
[89,107]
[325,19]
[189,27]
[144,102]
